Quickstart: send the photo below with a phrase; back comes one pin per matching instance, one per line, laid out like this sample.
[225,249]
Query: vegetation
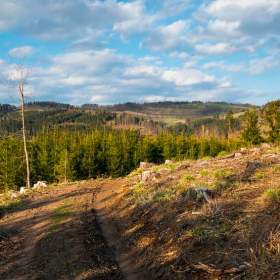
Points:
[57,155]
[68,143]
[251,133]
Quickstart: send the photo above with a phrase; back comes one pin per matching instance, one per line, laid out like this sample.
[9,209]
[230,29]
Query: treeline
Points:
[262,125]
[57,155]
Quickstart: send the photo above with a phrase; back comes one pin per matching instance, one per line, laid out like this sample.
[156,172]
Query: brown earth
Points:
[122,229]
[55,235]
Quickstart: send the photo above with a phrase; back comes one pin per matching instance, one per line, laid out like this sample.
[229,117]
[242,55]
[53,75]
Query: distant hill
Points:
[6,108]
[172,112]
[148,117]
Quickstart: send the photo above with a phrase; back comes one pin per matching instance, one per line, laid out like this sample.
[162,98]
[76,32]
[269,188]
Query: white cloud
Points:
[21,52]
[186,77]
[219,48]
[168,37]
[249,17]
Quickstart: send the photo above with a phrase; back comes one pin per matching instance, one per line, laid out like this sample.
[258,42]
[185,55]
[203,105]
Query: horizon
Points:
[40,102]
[114,52]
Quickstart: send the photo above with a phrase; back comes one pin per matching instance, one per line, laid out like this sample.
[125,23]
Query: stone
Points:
[145,165]
[243,150]
[14,194]
[145,177]
[265,145]
[169,161]
[198,194]
[255,150]
[149,176]
[250,169]
[238,155]
[22,190]
[40,184]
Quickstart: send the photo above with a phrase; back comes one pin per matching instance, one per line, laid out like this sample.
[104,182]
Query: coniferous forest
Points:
[60,151]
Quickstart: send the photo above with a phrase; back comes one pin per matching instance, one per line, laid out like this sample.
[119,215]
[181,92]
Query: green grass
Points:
[10,204]
[272,195]
[206,233]
[136,172]
[259,175]
[222,173]
[187,178]
[222,154]
[162,196]
[204,173]
[140,193]
[60,215]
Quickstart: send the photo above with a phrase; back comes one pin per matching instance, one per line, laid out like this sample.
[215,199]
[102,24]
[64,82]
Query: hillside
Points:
[149,117]
[172,112]
[158,220]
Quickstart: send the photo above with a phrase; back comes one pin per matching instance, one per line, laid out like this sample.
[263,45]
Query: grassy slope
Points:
[236,234]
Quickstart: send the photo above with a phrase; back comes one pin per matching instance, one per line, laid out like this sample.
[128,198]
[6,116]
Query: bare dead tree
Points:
[22,97]
[18,76]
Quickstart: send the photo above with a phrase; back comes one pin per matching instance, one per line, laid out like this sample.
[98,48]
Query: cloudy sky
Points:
[110,51]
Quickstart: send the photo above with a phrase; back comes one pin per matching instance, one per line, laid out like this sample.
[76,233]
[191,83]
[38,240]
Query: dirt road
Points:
[56,234]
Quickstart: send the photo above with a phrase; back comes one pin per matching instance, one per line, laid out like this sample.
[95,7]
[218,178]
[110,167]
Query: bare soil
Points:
[55,235]
[119,229]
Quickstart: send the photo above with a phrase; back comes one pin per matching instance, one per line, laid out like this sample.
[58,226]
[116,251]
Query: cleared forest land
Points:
[155,223]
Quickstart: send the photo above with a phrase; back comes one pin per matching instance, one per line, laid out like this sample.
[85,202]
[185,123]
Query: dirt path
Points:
[55,235]
[107,197]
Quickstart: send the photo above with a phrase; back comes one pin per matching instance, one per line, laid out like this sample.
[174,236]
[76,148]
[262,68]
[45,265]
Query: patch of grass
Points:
[204,173]
[162,196]
[222,154]
[60,215]
[10,204]
[186,178]
[272,196]
[222,173]
[171,166]
[136,172]
[207,158]
[140,193]
[259,175]
[204,234]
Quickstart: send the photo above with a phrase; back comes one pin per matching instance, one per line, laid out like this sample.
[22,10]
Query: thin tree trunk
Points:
[21,93]
[65,166]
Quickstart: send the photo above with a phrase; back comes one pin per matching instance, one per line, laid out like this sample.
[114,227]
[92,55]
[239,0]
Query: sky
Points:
[110,51]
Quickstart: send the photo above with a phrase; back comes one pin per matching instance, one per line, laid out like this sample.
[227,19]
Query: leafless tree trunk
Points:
[21,94]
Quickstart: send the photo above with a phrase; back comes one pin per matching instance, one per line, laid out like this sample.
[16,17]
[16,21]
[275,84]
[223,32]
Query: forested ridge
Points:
[67,143]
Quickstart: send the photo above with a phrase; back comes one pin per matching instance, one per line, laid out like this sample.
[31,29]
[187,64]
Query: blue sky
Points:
[109,51]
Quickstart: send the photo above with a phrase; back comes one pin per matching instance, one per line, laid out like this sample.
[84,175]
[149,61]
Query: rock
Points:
[238,155]
[145,165]
[251,167]
[199,193]
[265,146]
[270,159]
[40,184]
[243,150]
[149,176]
[22,190]
[169,161]
[255,150]
[182,166]
[202,163]
[13,194]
